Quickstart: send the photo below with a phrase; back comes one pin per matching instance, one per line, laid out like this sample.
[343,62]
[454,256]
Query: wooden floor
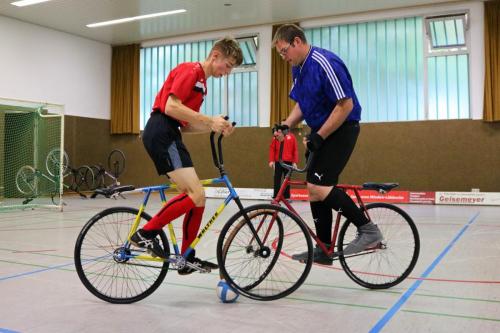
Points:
[455,286]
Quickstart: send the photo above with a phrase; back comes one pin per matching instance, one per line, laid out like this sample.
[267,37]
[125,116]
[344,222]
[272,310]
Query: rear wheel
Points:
[108,265]
[390,262]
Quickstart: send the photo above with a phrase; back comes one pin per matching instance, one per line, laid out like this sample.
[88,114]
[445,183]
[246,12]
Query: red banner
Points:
[402,197]
[423,197]
[374,196]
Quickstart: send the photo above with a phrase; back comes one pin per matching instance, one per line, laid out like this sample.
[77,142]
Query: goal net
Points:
[31,154]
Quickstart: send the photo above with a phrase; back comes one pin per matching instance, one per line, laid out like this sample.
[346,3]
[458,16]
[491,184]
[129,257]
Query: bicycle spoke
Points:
[390,263]
[264,273]
[102,269]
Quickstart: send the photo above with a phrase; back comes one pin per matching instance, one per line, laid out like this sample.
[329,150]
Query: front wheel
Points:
[390,262]
[27,181]
[109,267]
[264,272]
[85,178]
[116,162]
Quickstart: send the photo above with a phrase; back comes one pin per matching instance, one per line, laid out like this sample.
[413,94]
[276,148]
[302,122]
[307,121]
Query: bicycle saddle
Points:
[108,192]
[380,187]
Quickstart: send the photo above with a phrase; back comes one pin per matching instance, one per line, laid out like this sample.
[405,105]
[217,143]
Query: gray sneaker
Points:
[368,236]
[319,256]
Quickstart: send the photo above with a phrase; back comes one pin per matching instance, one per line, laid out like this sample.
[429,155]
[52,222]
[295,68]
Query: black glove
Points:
[314,142]
[283,128]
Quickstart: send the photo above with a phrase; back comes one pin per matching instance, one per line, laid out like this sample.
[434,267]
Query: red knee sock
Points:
[176,207]
[190,227]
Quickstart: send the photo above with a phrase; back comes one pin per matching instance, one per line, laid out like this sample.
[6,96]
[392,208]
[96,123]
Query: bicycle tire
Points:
[26,181]
[85,178]
[253,274]
[116,162]
[53,163]
[386,266]
[99,269]
[98,177]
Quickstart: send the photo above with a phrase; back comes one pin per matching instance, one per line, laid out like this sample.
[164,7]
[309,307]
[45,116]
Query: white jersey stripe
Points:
[327,66]
[330,73]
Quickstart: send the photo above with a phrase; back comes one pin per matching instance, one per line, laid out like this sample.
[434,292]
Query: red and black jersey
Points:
[290,149]
[188,83]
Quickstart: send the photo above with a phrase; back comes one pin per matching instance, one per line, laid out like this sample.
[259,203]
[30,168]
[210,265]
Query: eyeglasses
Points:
[284,50]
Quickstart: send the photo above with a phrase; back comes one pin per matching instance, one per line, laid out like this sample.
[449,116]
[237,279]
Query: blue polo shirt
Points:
[319,83]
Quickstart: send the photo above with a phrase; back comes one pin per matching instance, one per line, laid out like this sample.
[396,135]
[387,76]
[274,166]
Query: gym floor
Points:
[455,286]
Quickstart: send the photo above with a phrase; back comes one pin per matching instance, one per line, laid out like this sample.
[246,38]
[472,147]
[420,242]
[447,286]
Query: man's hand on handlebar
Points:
[228,130]
[219,124]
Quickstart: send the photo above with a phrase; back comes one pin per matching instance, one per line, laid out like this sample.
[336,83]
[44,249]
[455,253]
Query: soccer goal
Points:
[31,154]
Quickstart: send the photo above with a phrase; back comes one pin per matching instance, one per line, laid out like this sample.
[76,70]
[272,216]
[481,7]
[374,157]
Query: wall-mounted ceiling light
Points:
[135,18]
[23,3]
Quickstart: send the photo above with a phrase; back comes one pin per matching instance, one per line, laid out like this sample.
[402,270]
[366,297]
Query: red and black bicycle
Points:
[382,266]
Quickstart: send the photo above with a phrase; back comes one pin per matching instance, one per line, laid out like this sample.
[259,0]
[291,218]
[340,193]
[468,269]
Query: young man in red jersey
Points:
[176,108]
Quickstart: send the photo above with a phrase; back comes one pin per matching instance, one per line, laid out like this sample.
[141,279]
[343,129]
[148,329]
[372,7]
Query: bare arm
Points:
[198,122]
[295,116]
[195,128]
[337,117]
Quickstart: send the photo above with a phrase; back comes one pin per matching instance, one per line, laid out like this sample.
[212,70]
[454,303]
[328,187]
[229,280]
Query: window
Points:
[234,95]
[401,73]
[385,59]
[447,63]
[446,32]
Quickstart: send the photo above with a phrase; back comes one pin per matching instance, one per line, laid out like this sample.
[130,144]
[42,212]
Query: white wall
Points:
[41,64]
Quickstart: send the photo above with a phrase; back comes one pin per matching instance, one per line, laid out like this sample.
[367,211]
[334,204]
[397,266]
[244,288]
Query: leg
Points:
[278,171]
[287,190]
[323,175]
[192,193]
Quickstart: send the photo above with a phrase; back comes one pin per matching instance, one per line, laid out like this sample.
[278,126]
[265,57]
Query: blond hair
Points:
[230,48]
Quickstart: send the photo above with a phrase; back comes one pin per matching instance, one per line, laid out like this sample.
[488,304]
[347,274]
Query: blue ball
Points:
[225,293]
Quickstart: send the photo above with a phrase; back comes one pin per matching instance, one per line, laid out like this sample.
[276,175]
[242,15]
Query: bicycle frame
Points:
[280,199]
[223,179]
[161,190]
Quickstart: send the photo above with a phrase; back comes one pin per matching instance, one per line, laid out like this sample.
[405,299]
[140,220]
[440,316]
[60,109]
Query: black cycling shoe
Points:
[201,264]
[147,239]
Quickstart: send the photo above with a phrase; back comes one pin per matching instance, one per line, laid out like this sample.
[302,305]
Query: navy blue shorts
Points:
[329,161]
[163,142]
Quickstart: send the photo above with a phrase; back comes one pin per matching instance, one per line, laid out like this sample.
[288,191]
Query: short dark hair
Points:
[288,32]
[230,48]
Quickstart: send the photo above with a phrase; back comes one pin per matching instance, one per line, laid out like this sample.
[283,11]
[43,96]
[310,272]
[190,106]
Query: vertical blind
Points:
[386,61]
[235,95]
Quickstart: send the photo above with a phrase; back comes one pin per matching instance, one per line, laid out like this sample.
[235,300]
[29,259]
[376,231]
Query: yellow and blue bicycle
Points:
[253,248]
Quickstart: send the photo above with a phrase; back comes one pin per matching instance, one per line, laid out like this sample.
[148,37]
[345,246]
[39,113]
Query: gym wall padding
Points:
[451,155]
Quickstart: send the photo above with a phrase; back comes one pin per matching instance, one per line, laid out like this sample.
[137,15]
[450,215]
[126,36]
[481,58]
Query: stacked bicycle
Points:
[106,181]
[28,178]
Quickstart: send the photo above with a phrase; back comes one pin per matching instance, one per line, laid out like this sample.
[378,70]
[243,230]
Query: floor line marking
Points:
[395,308]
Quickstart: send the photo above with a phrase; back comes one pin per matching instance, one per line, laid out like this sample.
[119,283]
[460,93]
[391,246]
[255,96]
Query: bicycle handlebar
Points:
[217,153]
[291,167]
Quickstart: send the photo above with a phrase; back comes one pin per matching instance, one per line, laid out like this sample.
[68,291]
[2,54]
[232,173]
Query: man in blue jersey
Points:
[325,99]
